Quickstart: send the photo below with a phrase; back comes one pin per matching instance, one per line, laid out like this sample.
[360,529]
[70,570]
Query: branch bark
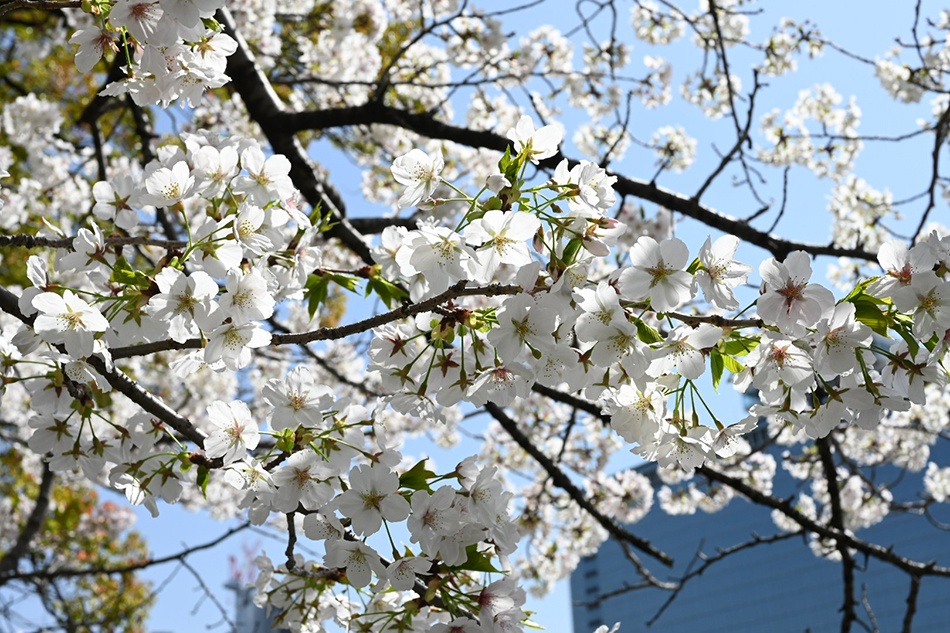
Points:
[31,528]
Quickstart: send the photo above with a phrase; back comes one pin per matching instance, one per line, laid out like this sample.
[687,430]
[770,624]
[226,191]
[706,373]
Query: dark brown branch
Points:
[429,126]
[264,107]
[31,528]
[911,604]
[940,134]
[335,333]
[119,381]
[837,521]
[32,241]
[562,481]
[785,506]
[46,5]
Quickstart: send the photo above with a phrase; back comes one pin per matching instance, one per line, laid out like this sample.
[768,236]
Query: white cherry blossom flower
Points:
[656,273]
[302,480]
[235,431]
[439,256]
[372,497]
[636,412]
[720,273]
[789,301]
[232,344]
[601,314]
[93,43]
[522,321]
[168,186]
[900,264]
[214,168]
[360,561]
[267,179]
[297,401]
[419,173]
[928,297]
[69,320]
[247,297]
[683,349]
[689,450]
[837,338]
[185,303]
[248,230]
[113,201]
[502,238]
[402,573]
[535,144]
[140,17]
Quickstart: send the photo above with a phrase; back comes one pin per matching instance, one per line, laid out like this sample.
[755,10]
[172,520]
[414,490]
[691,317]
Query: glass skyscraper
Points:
[780,587]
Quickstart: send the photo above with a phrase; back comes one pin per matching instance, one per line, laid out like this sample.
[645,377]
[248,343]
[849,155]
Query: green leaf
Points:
[870,314]
[505,160]
[903,325]
[345,281]
[316,292]
[738,346]
[204,475]
[732,364]
[388,292]
[694,266]
[860,292]
[477,561]
[648,334]
[570,251]
[717,366]
[124,275]
[417,477]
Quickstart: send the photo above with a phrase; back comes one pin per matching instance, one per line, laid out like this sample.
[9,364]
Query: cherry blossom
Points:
[789,300]
[655,273]
[69,320]
[372,497]
[720,273]
[535,144]
[185,302]
[297,400]
[235,432]
[198,294]
[501,238]
[419,173]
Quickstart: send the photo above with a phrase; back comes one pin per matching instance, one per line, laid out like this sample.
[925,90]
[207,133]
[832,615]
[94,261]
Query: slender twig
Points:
[122,569]
[563,482]
[335,333]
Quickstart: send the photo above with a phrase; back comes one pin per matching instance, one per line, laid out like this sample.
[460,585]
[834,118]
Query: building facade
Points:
[781,587]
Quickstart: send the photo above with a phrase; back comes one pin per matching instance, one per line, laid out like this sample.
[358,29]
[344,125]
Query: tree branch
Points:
[564,483]
[34,523]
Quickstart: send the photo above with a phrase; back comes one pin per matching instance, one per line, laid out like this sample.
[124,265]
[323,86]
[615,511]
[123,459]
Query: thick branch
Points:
[265,108]
[32,241]
[45,574]
[428,125]
[785,507]
[46,5]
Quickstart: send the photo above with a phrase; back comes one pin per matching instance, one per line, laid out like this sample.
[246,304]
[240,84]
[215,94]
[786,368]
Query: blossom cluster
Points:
[183,367]
[169,50]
